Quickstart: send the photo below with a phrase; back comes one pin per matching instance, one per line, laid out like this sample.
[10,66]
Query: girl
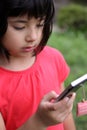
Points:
[31,73]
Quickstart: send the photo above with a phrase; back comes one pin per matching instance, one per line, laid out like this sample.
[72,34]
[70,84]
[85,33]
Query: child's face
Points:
[23,35]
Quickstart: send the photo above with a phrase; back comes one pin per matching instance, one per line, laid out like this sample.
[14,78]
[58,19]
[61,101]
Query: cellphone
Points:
[73,87]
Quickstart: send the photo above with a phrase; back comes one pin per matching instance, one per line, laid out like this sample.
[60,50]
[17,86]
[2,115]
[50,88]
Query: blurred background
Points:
[70,37]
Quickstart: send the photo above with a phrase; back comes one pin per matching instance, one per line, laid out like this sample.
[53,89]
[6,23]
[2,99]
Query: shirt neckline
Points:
[21,71]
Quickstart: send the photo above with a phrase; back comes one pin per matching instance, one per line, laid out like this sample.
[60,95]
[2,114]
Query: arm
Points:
[2,125]
[33,123]
[49,113]
[69,121]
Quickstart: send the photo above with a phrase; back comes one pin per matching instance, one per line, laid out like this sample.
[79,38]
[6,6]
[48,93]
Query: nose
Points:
[31,35]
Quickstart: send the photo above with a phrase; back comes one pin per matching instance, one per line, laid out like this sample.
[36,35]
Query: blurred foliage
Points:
[73,17]
[80,1]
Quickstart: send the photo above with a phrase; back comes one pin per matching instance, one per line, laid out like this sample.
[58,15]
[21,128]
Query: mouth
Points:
[28,49]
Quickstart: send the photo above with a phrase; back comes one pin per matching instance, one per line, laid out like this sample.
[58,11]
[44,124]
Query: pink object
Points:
[82,108]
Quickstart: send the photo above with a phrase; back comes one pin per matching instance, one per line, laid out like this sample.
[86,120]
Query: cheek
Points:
[11,45]
[11,40]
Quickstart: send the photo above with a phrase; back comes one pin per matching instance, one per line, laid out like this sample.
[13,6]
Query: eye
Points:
[40,25]
[19,28]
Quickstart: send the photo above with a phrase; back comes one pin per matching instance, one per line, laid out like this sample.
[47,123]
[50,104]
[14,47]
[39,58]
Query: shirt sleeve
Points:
[62,67]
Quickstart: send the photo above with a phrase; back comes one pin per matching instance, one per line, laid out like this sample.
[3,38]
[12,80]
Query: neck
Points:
[17,63]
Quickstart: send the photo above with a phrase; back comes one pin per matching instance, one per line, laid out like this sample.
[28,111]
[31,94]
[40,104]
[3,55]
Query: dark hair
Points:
[34,8]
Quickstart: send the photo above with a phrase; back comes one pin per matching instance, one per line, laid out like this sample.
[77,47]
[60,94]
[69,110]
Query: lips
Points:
[28,49]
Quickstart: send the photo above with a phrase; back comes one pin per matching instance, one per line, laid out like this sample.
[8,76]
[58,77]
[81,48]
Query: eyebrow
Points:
[18,21]
[24,21]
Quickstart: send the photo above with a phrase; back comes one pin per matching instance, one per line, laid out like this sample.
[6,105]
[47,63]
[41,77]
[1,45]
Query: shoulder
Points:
[51,52]
[50,49]
[55,58]
[53,55]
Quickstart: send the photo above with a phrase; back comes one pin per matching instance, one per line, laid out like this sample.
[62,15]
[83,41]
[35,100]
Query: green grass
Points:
[74,48]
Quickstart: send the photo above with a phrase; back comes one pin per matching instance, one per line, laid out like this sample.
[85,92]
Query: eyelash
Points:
[40,25]
[20,28]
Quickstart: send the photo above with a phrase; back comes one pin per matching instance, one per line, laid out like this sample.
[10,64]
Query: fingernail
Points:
[66,99]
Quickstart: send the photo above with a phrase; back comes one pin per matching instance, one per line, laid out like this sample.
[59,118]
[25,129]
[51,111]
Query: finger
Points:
[51,95]
[67,102]
[72,98]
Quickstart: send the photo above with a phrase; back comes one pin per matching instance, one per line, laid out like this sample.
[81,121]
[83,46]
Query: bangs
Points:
[33,8]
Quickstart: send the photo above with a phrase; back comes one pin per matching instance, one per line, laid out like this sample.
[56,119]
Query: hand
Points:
[50,113]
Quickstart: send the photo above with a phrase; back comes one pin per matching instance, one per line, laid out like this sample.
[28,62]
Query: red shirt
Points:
[21,91]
